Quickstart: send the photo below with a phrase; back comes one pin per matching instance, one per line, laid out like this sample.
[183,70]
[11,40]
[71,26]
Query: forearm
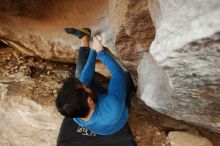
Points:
[117,83]
[110,63]
[89,68]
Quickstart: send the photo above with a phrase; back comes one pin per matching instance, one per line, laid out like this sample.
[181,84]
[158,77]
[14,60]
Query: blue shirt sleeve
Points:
[89,68]
[117,85]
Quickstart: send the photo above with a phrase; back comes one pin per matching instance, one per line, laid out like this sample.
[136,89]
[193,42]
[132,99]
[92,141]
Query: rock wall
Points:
[187,47]
[36,27]
[181,22]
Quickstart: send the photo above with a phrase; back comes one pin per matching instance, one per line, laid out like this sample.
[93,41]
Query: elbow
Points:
[120,74]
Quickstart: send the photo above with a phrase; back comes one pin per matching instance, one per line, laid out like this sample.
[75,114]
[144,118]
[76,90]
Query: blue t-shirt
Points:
[110,114]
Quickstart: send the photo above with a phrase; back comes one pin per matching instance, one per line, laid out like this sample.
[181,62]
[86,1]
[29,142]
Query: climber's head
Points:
[75,100]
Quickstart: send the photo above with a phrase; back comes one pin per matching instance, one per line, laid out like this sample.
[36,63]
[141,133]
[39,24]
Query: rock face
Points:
[187,47]
[36,28]
[179,22]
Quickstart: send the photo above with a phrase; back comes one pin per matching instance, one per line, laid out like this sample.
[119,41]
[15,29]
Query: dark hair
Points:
[72,99]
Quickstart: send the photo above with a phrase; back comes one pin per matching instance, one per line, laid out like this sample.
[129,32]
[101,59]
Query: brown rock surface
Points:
[36,27]
[136,30]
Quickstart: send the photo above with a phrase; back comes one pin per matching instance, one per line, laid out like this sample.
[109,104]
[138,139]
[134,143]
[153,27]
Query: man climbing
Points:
[94,116]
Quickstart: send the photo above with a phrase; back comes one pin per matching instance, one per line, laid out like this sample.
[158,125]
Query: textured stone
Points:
[187,47]
[153,83]
[187,139]
[36,27]
[25,122]
[136,30]
[26,117]
[179,22]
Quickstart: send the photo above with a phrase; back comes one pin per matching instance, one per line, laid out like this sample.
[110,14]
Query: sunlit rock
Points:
[187,47]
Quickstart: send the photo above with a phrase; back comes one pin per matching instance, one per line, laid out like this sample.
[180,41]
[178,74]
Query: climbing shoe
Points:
[78,32]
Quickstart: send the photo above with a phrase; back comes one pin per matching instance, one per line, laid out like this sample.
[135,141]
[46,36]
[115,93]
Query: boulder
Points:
[153,83]
[179,22]
[187,48]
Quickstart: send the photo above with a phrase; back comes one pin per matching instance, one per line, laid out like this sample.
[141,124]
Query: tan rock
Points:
[54,91]
[37,28]
[124,25]
[187,139]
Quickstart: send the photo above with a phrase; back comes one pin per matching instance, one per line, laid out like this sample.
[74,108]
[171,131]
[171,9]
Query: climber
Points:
[94,115]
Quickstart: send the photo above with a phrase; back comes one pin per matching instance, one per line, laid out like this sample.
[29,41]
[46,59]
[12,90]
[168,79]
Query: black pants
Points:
[73,135]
